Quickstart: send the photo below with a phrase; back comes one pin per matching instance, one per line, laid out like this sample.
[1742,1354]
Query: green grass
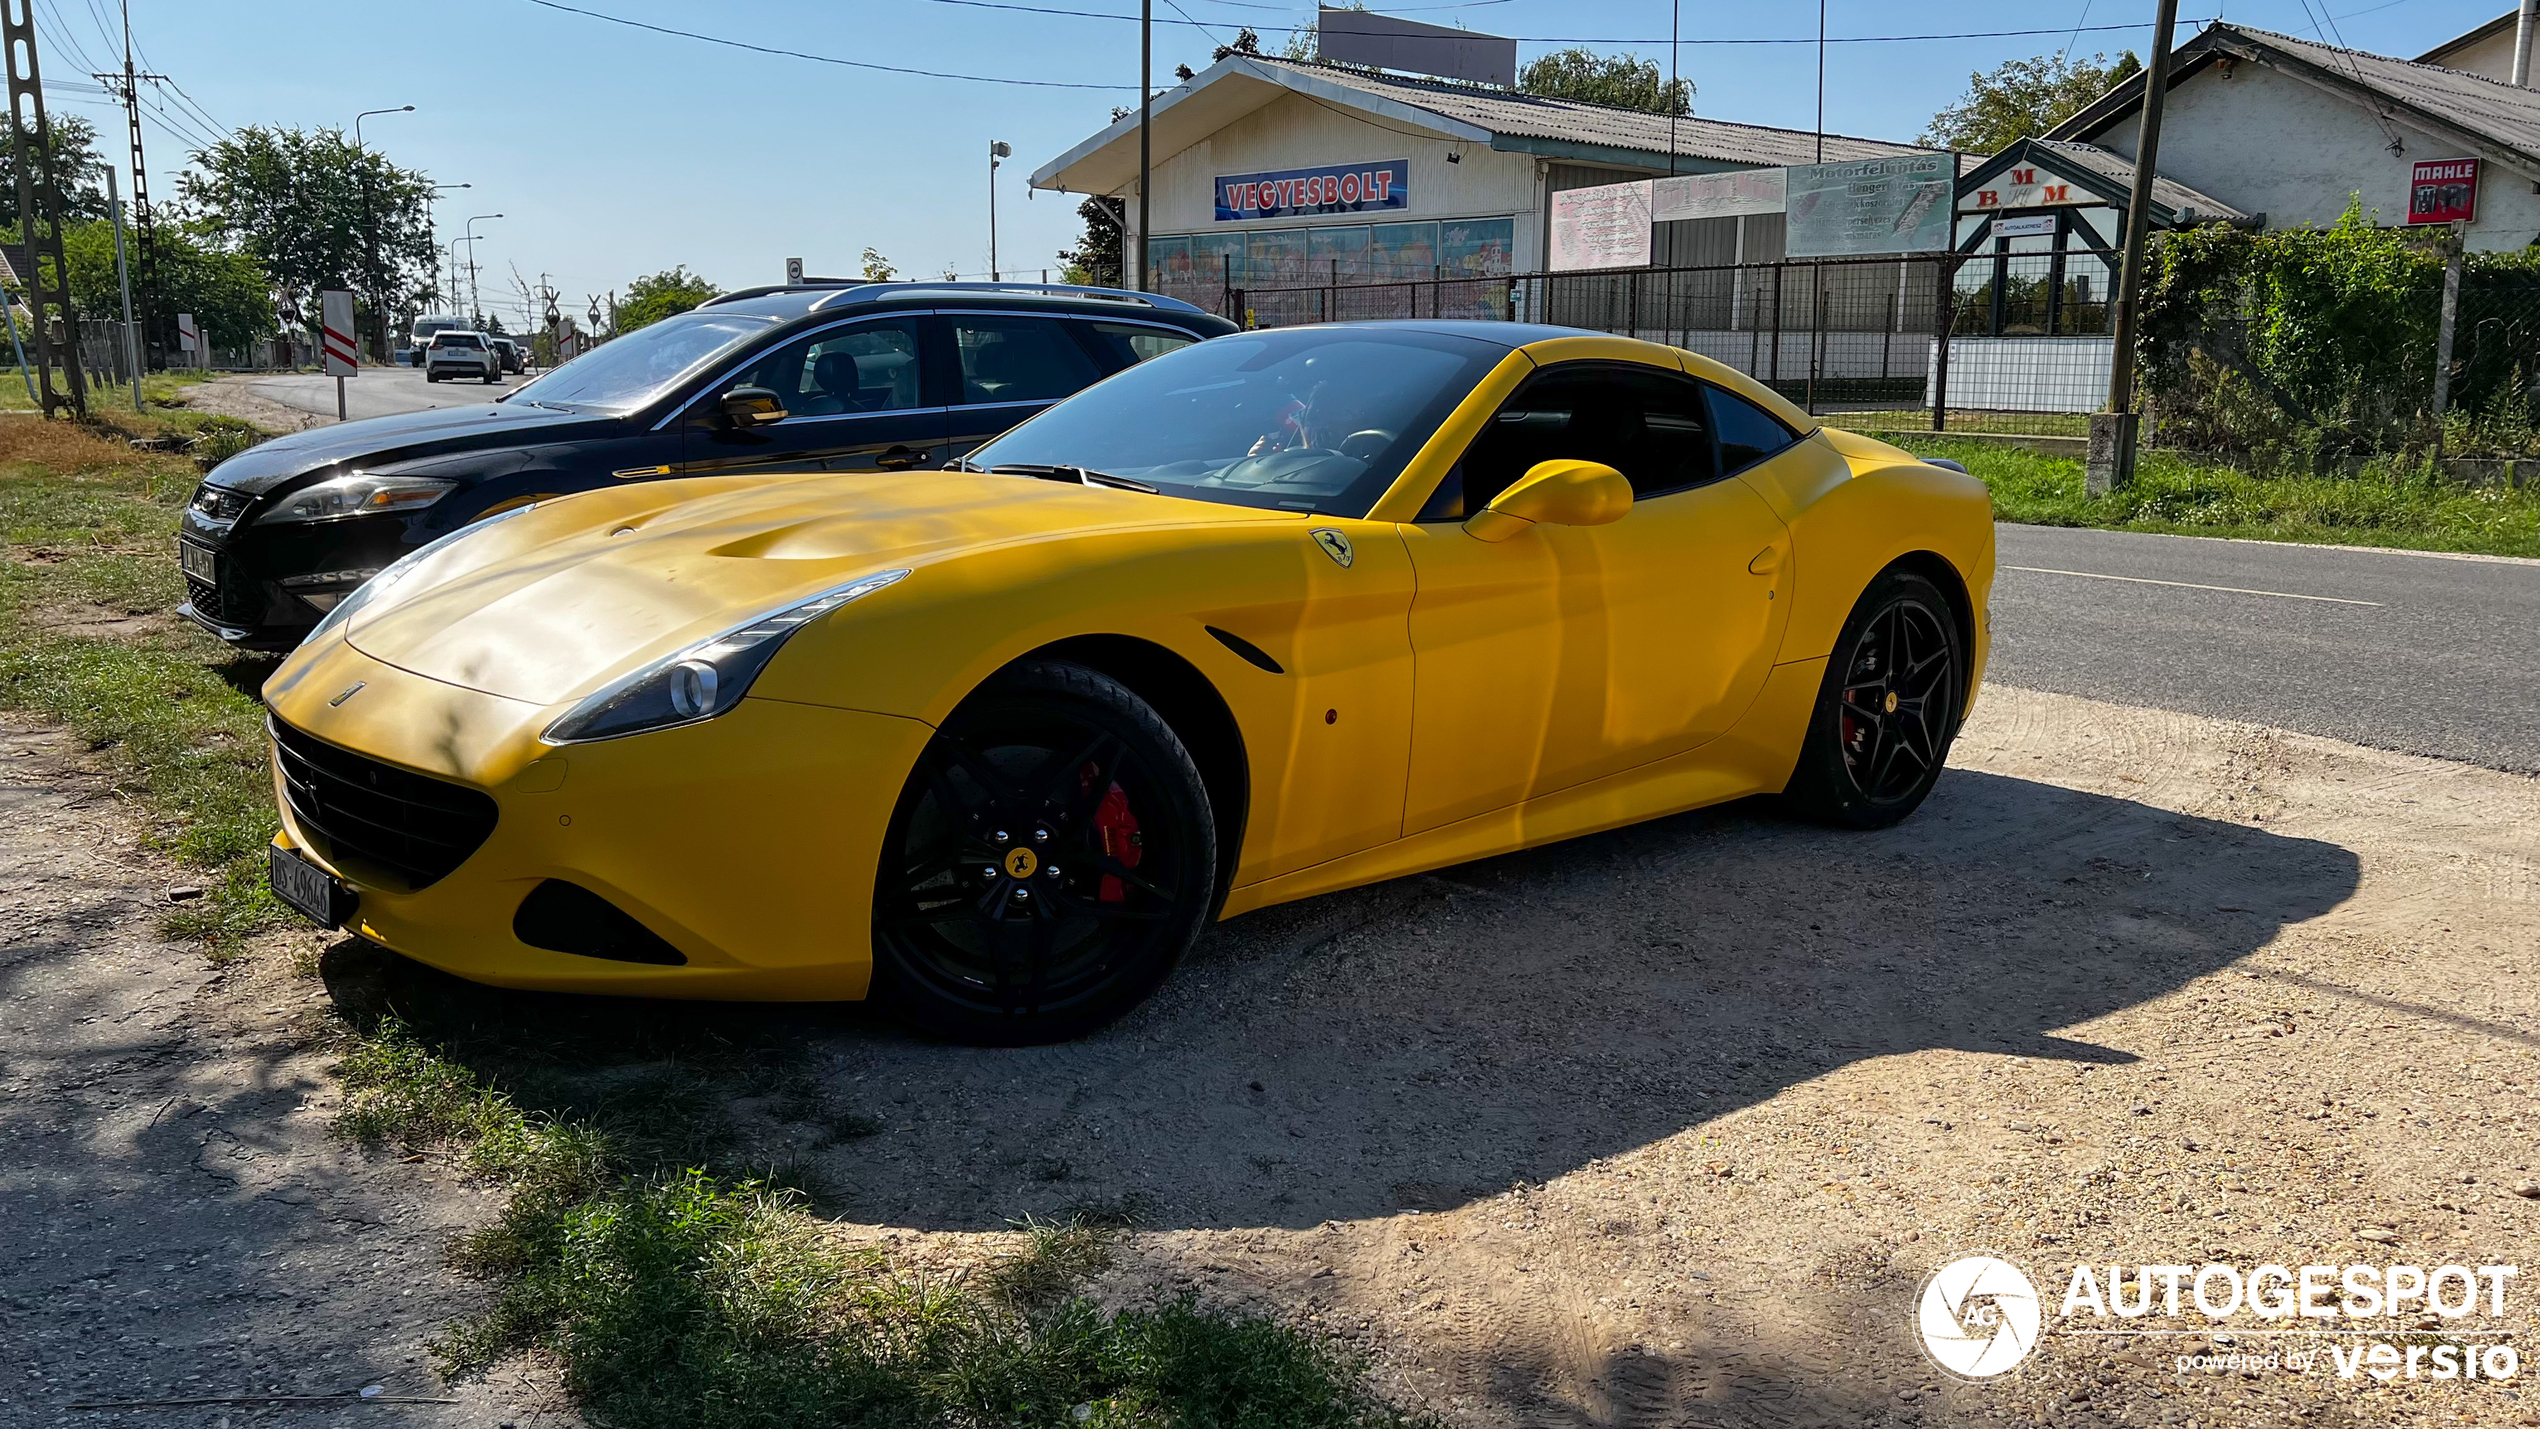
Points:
[671,1284]
[2386,505]
[2027,424]
[155,387]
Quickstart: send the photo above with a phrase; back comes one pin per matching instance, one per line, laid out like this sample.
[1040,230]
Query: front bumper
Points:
[275,582]
[748,842]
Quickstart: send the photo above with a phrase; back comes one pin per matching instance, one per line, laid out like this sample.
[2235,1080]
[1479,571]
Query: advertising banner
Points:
[1729,195]
[1328,188]
[1871,206]
[1602,227]
[2443,191]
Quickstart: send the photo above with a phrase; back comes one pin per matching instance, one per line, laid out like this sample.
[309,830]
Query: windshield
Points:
[631,371]
[1307,419]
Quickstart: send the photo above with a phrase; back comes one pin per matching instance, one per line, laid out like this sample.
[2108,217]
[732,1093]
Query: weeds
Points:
[2385,504]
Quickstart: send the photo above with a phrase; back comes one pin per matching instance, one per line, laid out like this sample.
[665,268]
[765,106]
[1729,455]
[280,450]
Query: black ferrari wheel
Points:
[1888,709]
[1050,859]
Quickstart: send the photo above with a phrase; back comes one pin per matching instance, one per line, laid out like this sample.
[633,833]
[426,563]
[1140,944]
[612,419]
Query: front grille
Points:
[413,826]
[206,598]
[235,601]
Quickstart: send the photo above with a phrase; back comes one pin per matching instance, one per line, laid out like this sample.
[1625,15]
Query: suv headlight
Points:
[357,494]
[399,569]
[703,680]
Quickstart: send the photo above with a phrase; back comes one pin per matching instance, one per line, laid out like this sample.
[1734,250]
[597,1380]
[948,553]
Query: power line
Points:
[823,59]
[1559,39]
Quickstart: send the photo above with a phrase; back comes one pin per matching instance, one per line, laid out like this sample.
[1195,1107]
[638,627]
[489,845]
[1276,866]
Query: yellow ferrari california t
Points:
[1275,614]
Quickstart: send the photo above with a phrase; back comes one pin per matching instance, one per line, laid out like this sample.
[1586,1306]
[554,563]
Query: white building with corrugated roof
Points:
[1272,172]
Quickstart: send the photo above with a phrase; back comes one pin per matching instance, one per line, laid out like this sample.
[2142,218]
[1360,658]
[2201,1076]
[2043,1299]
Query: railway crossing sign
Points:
[335,342]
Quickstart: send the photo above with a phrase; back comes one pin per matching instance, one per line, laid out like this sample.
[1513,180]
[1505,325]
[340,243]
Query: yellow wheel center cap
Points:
[1891,709]
[1021,863]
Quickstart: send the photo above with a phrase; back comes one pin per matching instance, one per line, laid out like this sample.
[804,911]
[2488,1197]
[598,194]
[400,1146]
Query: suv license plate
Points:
[200,562]
[306,887]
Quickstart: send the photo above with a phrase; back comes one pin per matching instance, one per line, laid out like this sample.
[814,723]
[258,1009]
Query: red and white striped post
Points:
[335,342]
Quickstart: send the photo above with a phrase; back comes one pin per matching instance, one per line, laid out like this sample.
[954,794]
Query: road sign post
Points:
[189,340]
[335,342]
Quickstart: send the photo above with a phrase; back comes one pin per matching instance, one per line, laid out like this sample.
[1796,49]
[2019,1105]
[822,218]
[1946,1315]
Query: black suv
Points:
[817,376]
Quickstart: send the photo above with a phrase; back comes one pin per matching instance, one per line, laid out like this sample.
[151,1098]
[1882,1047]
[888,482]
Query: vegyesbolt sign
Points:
[1331,188]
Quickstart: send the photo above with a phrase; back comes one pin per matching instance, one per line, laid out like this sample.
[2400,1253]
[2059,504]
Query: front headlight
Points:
[357,494]
[399,568]
[703,680]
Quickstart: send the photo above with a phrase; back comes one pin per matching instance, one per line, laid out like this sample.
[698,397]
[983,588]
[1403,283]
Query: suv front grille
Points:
[414,826]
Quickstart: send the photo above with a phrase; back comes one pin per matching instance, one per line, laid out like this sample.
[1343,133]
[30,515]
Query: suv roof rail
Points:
[859,290]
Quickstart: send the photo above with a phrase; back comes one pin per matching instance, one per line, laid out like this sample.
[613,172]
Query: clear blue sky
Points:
[615,152]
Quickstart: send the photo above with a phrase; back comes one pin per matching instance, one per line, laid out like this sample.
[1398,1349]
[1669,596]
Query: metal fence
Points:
[1999,342]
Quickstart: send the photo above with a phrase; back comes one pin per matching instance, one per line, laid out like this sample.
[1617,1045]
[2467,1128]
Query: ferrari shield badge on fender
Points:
[1335,545]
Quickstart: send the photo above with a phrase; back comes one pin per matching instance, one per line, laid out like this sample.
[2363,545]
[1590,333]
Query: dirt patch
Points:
[181,1222]
[230,397]
[100,622]
[1669,1125]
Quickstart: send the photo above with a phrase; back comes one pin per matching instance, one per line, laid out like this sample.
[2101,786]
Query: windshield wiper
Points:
[1077,474]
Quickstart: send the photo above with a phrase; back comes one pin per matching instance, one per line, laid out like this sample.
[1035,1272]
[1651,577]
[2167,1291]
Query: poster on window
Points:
[1871,206]
[1403,250]
[1602,227]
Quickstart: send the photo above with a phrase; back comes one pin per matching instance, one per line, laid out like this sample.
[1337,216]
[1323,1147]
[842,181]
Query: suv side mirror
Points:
[749,407]
[1559,493]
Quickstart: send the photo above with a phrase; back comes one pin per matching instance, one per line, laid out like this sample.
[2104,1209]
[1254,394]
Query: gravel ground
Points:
[1661,1127]
[180,1221]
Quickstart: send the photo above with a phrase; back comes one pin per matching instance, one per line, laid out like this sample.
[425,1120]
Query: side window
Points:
[1130,344]
[1018,360]
[871,367]
[1649,425]
[1748,433]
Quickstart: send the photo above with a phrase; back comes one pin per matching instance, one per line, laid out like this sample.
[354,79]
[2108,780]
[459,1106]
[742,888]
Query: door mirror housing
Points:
[750,407]
[1557,493]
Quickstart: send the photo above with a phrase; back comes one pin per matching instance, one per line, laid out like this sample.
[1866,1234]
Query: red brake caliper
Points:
[1119,830]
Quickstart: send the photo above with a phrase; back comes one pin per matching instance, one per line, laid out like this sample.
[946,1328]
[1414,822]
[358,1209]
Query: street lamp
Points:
[472,295]
[370,222]
[365,114]
[997,149]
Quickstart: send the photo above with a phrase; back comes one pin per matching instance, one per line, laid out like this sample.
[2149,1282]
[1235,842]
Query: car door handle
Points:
[898,458]
[1767,560]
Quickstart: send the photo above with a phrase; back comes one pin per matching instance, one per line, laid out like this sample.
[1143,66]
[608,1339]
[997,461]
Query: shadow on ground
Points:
[1422,1042]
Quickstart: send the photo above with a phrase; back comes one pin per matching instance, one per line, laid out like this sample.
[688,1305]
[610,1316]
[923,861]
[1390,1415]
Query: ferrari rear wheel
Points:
[1888,709]
[1051,857]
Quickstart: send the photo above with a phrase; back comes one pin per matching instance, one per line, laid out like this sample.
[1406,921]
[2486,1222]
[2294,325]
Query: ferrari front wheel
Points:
[1888,709]
[1051,856]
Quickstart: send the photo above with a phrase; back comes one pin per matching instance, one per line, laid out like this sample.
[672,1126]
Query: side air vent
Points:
[1253,654]
[568,918]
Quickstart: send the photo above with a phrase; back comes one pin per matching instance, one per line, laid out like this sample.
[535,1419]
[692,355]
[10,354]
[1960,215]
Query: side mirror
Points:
[1558,493]
[750,407]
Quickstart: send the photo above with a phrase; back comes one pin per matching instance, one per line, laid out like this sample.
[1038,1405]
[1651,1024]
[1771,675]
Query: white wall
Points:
[2266,142]
[1295,132]
[2492,56]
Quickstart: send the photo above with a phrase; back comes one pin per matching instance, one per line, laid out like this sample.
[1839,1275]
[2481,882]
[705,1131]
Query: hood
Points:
[407,436]
[552,604]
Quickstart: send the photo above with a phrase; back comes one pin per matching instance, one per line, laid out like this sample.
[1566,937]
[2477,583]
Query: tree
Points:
[229,296]
[655,296]
[1624,81]
[2023,98]
[315,212]
[1096,256]
[877,269]
[76,168]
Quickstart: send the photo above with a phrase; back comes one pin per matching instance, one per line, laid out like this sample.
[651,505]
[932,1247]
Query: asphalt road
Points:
[2422,654]
[377,392]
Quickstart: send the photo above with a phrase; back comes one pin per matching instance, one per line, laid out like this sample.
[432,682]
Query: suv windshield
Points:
[623,375]
[1308,419]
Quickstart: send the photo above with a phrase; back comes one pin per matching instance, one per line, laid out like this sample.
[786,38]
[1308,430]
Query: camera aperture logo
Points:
[1978,1317]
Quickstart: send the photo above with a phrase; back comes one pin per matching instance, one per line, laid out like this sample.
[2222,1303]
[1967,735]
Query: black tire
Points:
[1888,710]
[974,939]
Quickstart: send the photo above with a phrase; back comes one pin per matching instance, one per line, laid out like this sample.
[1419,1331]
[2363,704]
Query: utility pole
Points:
[125,84]
[40,216]
[123,279]
[2110,463]
[997,149]
[1146,116]
[472,294]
